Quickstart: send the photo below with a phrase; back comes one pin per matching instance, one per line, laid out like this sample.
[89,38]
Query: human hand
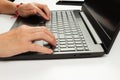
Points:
[25,10]
[20,40]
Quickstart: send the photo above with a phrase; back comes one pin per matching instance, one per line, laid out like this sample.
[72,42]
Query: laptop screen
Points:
[107,15]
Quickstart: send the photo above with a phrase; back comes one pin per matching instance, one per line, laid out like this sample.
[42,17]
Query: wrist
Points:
[16,11]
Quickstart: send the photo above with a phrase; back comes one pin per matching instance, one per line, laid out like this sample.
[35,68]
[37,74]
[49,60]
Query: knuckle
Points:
[43,29]
[35,3]
[23,28]
[42,33]
[29,4]
[44,5]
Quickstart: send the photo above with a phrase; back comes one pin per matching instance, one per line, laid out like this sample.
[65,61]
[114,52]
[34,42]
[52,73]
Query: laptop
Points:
[85,33]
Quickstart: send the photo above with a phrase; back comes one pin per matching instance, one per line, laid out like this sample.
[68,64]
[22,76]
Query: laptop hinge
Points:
[91,29]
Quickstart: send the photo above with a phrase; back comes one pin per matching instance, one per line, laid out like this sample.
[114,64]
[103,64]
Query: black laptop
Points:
[85,33]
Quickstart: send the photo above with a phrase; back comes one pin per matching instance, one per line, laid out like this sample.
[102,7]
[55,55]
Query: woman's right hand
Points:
[20,40]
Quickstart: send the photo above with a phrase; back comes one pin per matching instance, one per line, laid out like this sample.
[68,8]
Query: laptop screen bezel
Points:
[91,13]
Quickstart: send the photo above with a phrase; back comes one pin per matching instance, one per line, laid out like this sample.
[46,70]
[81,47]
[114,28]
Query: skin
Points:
[34,8]
[25,10]
[20,40]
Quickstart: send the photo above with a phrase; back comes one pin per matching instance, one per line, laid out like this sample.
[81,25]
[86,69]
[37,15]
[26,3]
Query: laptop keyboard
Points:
[67,32]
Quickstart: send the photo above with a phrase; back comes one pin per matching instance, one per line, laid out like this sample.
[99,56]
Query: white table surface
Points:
[102,68]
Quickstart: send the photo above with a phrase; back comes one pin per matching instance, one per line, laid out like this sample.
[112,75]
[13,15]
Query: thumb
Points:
[41,49]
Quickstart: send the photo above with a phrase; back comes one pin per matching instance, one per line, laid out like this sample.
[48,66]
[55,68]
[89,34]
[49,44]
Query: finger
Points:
[33,11]
[43,36]
[46,10]
[47,31]
[43,14]
[43,9]
[50,34]
[41,49]
[42,29]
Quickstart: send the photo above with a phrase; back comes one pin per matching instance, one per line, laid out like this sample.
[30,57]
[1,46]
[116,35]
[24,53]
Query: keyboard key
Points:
[67,49]
[70,42]
[62,40]
[86,48]
[80,48]
[62,43]
[78,42]
[71,46]
[56,35]
[69,37]
[79,45]
[56,50]
[63,46]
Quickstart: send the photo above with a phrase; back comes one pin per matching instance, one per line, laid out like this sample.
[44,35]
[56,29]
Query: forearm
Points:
[7,7]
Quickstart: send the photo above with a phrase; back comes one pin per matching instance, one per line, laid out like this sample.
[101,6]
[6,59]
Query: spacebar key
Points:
[67,49]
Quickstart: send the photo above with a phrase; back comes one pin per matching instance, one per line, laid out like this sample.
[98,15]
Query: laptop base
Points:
[37,56]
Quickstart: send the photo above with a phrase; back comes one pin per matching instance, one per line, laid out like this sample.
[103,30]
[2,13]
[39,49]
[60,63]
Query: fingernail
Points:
[50,51]
[48,18]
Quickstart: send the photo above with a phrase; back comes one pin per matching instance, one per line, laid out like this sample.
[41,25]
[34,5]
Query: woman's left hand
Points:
[25,10]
